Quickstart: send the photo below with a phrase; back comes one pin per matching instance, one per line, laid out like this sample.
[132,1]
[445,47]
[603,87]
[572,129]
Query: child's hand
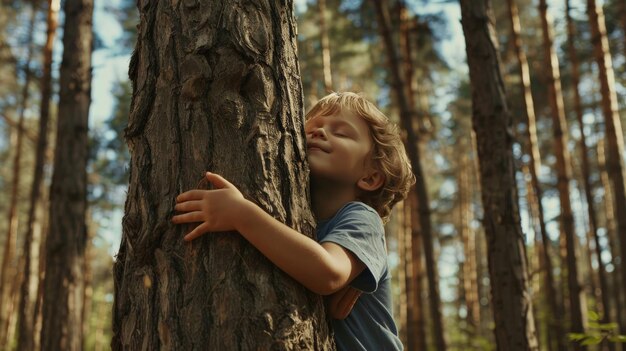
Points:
[215,210]
[340,304]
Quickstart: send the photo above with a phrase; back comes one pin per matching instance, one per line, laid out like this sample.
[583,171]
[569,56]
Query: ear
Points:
[371,181]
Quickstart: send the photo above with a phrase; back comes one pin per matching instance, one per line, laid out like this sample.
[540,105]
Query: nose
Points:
[318,132]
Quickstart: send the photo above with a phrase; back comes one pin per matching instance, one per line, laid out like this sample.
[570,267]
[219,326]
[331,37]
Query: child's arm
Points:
[322,268]
[340,304]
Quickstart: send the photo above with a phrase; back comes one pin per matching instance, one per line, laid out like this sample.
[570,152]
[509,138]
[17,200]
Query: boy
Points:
[359,170]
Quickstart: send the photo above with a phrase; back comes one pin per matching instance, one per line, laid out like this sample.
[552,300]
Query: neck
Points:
[329,197]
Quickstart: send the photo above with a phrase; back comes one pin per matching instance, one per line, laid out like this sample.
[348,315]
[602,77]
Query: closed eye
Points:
[342,133]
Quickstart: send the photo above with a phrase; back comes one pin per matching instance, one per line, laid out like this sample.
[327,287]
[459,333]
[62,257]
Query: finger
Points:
[188,206]
[190,195]
[190,217]
[218,181]
[198,231]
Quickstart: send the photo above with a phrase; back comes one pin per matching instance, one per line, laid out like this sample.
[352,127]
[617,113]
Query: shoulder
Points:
[354,219]
[359,211]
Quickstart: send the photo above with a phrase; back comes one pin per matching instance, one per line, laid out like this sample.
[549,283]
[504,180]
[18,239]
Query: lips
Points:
[312,145]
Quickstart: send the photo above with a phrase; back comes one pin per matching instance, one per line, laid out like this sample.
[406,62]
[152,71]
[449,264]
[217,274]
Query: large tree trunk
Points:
[26,319]
[9,275]
[554,317]
[66,239]
[612,126]
[491,119]
[563,170]
[215,87]
[412,147]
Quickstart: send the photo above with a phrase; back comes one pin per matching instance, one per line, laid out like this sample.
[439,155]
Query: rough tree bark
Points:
[491,120]
[216,87]
[65,243]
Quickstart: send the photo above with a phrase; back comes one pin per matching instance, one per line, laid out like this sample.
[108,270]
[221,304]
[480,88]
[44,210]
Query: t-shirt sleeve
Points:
[360,231]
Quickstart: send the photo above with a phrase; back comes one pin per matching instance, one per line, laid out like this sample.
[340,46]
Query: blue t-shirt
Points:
[370,326]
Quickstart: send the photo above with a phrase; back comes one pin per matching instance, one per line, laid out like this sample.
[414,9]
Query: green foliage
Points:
[597,332]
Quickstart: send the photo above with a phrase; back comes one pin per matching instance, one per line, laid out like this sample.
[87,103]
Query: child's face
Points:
[338,147]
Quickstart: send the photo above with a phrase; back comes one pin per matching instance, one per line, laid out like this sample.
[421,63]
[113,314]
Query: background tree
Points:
[412,141]
[563,170]
[534,167]
[9,274]
[514,323]
[32,240]
[612,124]
[603,290]
[66,239]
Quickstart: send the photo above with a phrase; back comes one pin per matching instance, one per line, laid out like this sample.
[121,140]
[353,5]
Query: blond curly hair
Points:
[388,153]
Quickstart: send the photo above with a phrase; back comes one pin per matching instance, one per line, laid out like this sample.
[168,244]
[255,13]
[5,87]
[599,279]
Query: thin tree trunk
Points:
[412,147]
[416,324]
[14,301]
[563,169]
[100,343]
[38,310]
[491,120]
[470,285]
[15,125]
[9,273]
[27,312]
[611,235]
[406,51]
[325,43]
[66,239]
[623,17]
[215,87]
[554,317]
[402,229]
[591,212]
[480,245]
[612,124]
[535,267]
[88,303]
